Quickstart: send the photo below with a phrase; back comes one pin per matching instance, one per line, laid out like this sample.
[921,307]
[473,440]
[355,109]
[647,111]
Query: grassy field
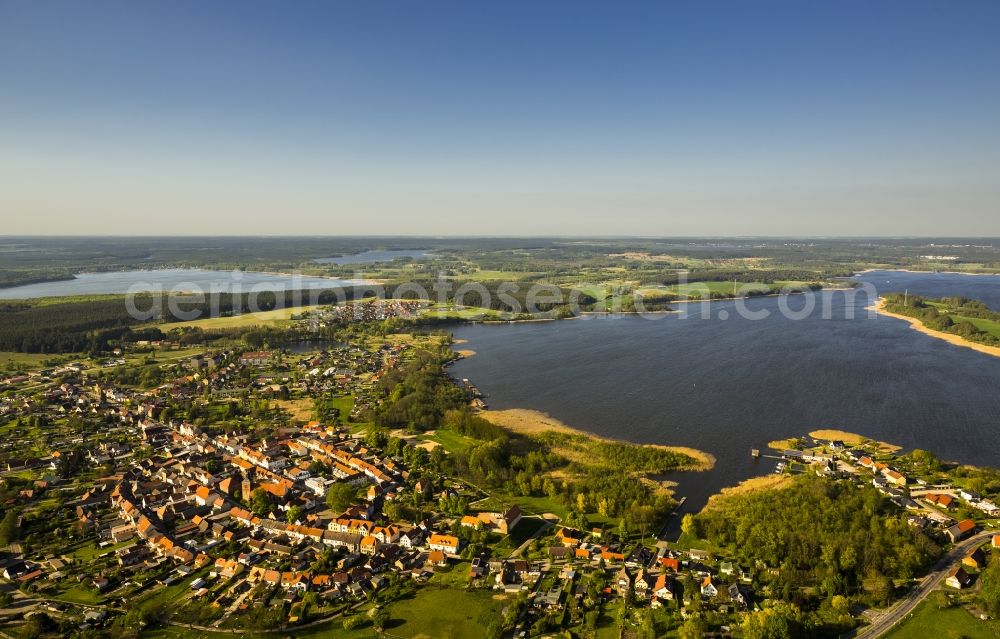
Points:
[506,276]
[90,550]
[952,623]
[985,325]
[81,595]
[444,608]
[452,441]
[722,288]
[301,409]
[345,405]
[278,317]
[541,505]
[597,291]
[461,312]
[607,623]
[31,360]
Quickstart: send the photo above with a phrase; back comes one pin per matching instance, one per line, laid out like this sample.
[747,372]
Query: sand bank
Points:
[533,422]
[916,324]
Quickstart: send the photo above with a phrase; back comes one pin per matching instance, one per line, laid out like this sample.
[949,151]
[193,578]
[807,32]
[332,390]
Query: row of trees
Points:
[750,276]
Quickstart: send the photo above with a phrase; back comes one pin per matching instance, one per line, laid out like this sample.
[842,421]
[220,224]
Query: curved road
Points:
[885,620]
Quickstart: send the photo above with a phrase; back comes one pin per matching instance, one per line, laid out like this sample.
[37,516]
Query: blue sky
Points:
[509,118]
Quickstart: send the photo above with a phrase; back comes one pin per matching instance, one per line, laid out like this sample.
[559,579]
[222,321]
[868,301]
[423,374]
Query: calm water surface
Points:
[981,287]
[728,385]
[166,279]
[370,257]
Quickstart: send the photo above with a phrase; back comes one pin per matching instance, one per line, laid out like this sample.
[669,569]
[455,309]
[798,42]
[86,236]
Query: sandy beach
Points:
[879,307]
[531,422]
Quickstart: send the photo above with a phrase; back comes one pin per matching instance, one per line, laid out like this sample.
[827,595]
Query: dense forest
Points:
[830,535]
[417,394]
[747,276]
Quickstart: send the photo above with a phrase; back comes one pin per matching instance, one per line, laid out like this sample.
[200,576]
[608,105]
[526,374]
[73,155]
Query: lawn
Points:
[452,441]
[540,505]
[597,291]
[170,594]
[264,318]
[80,594]
[162,356]
[345,405]
[607,623]
[459,312]
[506,276]
[952,623]
[435,612]
[90,550]
[985,325]
[30,360]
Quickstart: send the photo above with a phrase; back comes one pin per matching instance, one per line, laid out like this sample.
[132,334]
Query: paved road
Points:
[884,621]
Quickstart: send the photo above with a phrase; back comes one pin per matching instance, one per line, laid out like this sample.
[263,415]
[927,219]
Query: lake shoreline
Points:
[917,325]
[39,280]
[526,421]
[910,270]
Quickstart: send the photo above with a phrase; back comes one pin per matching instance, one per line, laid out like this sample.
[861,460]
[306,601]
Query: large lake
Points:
[166,280]
[981,287]
[728,385]
[371,257]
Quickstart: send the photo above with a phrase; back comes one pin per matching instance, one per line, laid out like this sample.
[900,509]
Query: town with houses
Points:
[313,521]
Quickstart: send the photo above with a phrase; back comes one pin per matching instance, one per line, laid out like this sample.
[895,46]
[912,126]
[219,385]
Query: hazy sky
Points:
[466,117]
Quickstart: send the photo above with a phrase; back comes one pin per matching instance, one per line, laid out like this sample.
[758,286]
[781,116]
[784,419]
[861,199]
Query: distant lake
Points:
[728,385]
[371,257]
[981,287]
[166,279]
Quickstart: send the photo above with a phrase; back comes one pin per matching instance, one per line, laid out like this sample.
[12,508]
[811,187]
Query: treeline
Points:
[939,315]
[98,324]
[64,327]
[9,278]
[748,276]
[833,537]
